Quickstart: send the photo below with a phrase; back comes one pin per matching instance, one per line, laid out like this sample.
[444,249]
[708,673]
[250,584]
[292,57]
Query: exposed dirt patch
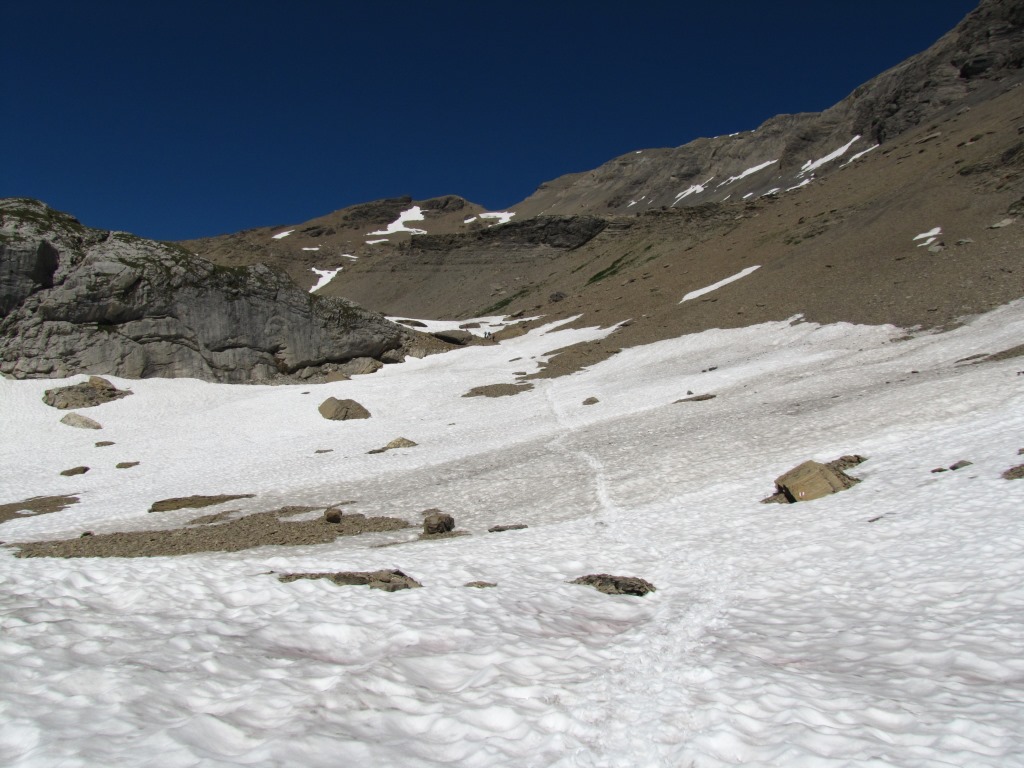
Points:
[616,585]
[257,530]
[1014,473]
[389,581]
[195,502]
[37,505]
[498,390]
[1005,354]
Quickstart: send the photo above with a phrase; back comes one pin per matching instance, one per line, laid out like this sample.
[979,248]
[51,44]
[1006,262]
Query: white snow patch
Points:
[719,284]
[374,242]
[314,248]
[772,191]
[747,172]
[933,232]
[749,194]
[811,165]
[803,183]
[470,220]
[281,235]
[859,155]
[326,275]
[694,189]
[879,626]
[500,217]
[349,256]
[399,224]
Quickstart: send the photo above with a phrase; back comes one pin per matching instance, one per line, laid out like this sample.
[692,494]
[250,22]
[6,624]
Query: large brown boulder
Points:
[342,410]
[95,391]
[435,522]
[812,480]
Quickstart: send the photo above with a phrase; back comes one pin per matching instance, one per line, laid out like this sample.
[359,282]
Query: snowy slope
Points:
[880,626]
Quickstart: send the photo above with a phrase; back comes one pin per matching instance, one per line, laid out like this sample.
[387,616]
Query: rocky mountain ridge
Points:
[972,63]
[79,300]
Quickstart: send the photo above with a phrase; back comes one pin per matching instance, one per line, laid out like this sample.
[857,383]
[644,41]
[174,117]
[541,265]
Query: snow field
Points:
[798,635]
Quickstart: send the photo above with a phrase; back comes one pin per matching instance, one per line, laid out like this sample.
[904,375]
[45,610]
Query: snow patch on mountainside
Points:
[715,286]
[878,626]
[813,165]
[400,224]
[326,275]
[747,172]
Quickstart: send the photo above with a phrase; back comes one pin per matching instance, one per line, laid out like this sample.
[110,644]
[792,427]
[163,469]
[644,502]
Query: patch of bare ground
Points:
[498,390]
[37,505]
[256,530]
[389,581]
[1005,354]
[195,502]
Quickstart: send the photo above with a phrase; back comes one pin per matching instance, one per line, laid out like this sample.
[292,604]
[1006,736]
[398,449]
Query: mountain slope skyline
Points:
[210,122]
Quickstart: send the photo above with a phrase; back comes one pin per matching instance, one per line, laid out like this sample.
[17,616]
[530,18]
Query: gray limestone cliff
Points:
[80,300]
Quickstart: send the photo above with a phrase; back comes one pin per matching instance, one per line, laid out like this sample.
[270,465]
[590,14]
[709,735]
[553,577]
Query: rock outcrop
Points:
[88,394]
[616,585]
[334,409]
[981,56]
[80,300]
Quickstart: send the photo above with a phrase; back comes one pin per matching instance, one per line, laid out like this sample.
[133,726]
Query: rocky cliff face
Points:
[978,59]
[78,300]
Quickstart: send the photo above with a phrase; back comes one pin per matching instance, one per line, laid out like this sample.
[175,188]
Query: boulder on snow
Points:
[459,337]
[80,421]
[388,580]
[95,391]
[616,585]
[812,480]
[75,471]
[436,522]
[334,409]
[359,366]
[398,442]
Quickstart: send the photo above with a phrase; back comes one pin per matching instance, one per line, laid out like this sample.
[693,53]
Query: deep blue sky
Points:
[183,119]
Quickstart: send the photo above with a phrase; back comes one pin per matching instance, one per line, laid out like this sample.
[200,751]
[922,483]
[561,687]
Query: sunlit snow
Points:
[929,237]
[314,248]
[399,224]
[375,242]
[719,284]
[803,183]
[694,189]
[859,155]
[500,217]
[747,172]
[326,275]
[880,626]
[812,165]
[281,235]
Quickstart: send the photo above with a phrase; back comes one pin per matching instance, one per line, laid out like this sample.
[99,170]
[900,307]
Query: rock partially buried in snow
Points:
[88,394]
[503,528]
[480,584]
[812,480]
[75,471]
[388,581]
[81,422]
[359,366]
[332,515]
[591,401]
[1014,473]
[616,585]
[342,410]
[436,522]
[398,442]
[459,337]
